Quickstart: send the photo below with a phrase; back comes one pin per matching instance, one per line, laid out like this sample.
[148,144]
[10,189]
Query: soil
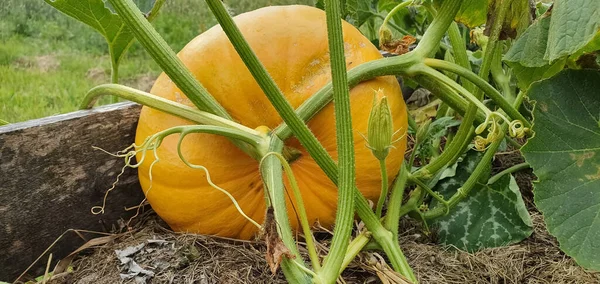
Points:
[155,254]
[184,258]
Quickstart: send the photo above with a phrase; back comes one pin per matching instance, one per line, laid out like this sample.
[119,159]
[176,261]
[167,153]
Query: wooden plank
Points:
[50,178]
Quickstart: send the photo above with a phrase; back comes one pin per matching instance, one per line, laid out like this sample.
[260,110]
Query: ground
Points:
[184,258]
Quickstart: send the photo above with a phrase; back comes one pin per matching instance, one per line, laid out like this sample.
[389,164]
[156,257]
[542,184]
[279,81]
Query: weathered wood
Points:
[50,178]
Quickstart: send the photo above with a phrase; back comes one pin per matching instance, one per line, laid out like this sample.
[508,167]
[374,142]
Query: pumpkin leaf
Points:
[359,11]
[492,215]
[527,56]
[574,24]
[474,13]
[98,15]
[565,156]
[561,36]
[528,75]
[530,48]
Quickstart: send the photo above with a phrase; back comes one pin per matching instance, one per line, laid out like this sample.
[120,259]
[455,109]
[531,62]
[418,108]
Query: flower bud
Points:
[385,35]
[478,36]
[380,129]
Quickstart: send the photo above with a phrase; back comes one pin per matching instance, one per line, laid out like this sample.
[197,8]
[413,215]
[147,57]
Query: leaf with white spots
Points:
[565,156]
[492,215]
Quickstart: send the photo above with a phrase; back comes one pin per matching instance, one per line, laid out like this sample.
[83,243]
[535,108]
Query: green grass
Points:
[48,61]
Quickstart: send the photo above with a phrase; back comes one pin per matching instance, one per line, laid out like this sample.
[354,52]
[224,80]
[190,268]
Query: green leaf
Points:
[526,56]
[565,156]
[574,24]
[359,11]
[472,13]
[96,14]
[492,215]
[528,75]
[529,49]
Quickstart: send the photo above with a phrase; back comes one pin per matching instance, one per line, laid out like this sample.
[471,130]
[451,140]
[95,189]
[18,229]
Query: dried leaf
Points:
[276,249]
[64,263]
[400,46]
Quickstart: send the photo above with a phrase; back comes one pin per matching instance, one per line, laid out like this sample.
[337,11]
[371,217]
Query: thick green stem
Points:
[459,51]
[114,77]
[432,73]
[381,67]
[392,217]
[166,58]
[500,77]
[449,96]
[169,107]
[273,179]
[301,211]
[496,96]
[398,7]
[514,168]
[435,32]
[345,144]
[463,191]
[355,247]
[365,71]
[384,188]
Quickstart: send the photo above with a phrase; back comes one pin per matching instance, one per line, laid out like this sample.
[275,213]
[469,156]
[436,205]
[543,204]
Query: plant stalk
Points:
[496,96]
[392,217]
[271,171]
[514,168]
[166,58]
[169,107]
[310,245]
[345,144]
[384,187]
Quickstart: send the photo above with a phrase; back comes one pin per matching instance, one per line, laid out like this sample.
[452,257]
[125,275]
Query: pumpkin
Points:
[291,42]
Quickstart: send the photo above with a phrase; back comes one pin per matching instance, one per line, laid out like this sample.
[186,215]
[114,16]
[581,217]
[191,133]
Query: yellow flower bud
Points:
[478,37]
[380,129]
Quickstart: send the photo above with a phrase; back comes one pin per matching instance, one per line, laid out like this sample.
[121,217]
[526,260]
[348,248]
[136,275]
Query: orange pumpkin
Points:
[291,42]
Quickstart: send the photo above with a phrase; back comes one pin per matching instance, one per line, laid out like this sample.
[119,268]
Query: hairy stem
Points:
[514,168]
[392,217]
[463,191]
[345,144]
[169,107]
[460,51]
[384,188]
[354,248]
[166,58]
[496,96]
[310,245]
[272,175]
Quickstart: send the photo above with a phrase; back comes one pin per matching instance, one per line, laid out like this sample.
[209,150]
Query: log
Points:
[50,178]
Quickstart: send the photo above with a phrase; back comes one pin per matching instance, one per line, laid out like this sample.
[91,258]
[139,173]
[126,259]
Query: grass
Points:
[48,61]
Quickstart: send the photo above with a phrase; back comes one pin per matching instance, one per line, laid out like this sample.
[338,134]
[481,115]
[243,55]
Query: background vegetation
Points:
[49,61]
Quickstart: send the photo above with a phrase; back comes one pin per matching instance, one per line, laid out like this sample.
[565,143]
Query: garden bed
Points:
[185,258]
